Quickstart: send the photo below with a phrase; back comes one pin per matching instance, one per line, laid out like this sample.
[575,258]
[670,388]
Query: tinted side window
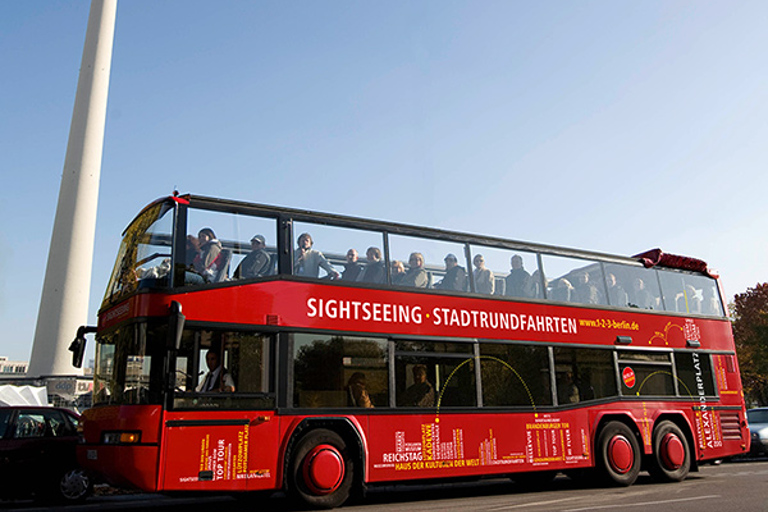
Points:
[5,418]
[340,371]
[29,424]
[694,371]
[584,374]
[434,375]
[646,374]
[515,375]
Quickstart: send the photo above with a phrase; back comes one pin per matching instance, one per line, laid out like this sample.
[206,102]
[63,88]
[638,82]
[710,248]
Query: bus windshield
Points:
[129,365]
[144,258]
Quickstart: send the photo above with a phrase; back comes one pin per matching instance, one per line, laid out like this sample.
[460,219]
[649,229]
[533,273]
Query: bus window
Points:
[219,247]
[646,374]
[144,259]
[584,374]
[689,293]
[223,369]
[430,263]
[332,252]
[640,284]
[574,280]
[339,371]
[694,374]
[434,374]
[515,375]
[504,272]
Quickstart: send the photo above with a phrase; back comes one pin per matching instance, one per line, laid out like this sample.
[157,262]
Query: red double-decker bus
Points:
[243,347]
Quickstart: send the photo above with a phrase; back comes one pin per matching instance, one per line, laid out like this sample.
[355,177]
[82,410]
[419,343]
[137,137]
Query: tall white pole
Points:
[64,303]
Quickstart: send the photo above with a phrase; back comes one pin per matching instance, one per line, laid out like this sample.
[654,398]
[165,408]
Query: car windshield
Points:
[757,416]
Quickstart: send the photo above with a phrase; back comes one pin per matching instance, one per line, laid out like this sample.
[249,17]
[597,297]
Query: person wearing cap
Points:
[455,276]
[257,262]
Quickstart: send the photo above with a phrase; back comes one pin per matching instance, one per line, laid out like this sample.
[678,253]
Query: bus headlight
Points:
[121,437]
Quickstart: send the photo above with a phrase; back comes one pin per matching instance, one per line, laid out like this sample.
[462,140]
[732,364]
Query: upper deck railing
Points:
[192,241]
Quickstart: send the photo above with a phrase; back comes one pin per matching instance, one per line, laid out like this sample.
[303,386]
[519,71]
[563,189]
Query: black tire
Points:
[618,454]
[671,458]
[322,471]
[72,486]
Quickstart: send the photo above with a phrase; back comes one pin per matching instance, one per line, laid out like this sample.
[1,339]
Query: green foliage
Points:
[750,330]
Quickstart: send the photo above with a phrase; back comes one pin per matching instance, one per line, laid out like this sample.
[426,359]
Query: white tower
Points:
[64,303]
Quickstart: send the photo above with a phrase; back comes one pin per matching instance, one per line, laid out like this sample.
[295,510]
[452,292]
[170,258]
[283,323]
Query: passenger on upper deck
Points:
[616,294]
[585,292]
[484,281]
[641,298]
[519,280]
[257,262]
[374,271]
[689,302]
[207,250]
[398,272]
[710,305]
[561,290]
[455,276]
[307,261]
[416,275]
[352,267]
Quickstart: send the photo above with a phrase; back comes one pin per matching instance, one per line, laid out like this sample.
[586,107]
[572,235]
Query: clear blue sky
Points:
[604,125]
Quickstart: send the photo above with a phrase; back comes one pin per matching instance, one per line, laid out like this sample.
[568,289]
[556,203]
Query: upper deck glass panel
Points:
[223,242]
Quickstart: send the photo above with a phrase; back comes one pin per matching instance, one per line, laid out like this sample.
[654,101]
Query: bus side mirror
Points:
[77,347]
[175,326]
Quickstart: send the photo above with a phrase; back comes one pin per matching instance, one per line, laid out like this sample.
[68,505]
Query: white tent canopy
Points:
[23,395]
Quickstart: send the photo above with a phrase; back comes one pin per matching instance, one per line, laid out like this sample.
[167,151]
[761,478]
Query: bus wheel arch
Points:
[671,459]
[618,454]
[323,465]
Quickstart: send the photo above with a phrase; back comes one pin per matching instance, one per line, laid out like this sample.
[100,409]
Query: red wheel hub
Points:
[621,456]
[323,469]
[672,451]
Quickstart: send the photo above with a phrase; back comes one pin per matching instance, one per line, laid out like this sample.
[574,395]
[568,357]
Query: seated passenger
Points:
[641,298]
[561,290]
[398,272]
[518,280]
[585,292]
[308,261]
[421,393]
[257,263]
[710,305]
[207,251]
[217,378]
[689,302]
[357,395]
[616,294]
[416,275]
[455,278]
[352,267]
[484,281]
[374,271]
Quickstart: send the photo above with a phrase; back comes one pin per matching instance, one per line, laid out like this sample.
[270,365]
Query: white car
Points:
[758,428]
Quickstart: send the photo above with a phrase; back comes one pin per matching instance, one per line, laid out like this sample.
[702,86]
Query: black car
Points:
[37,454]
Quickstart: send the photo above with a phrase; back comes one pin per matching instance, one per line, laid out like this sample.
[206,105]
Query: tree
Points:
[750,330]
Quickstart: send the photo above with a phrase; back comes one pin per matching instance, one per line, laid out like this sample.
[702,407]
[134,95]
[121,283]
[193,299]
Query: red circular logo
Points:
[628,374]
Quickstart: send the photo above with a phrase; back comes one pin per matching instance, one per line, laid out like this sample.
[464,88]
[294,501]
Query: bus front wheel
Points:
[671,458]
[618,454]
[322,471]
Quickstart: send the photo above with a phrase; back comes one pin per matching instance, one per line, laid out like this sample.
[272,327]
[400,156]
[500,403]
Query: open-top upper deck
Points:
[194,241]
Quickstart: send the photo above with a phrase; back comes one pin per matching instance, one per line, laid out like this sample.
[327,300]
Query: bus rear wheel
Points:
[322,472]
[618,454]
[671,458]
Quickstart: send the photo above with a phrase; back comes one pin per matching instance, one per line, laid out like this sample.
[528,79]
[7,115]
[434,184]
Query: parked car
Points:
[37,454]
[758,428]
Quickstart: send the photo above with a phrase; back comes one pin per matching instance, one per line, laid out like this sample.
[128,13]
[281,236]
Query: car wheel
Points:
[73,485]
